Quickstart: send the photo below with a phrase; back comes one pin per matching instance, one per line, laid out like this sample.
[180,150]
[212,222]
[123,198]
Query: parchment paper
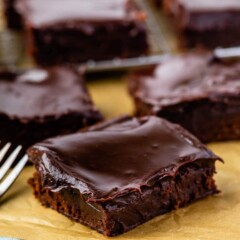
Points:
[216,217]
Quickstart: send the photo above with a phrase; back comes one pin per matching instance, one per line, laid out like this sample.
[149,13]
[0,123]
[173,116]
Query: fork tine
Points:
[7,183]
[5,167]
[4,150]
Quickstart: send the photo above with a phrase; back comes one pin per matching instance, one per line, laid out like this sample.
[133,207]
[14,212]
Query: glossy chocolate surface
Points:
[114,158]
[44,12]
[187,78]
[39,93]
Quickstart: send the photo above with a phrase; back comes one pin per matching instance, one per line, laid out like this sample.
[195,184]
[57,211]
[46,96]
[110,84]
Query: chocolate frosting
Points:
[187,78]
[112,158]
[45,12]
[39,93]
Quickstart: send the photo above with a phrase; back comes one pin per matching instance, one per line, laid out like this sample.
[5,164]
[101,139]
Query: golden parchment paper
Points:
[216,217]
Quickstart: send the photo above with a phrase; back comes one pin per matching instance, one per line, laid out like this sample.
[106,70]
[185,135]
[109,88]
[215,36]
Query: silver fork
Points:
[7,175]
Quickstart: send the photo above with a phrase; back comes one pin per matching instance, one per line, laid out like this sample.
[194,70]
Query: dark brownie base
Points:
[209,39]
[20,133]
[104,44]
[13,18]
[208,121]
[112,217]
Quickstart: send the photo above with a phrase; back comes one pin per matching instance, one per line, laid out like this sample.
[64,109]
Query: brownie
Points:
[119,174]
[39,103]
[206,23]
[78,31]
[13,17]
[200,94]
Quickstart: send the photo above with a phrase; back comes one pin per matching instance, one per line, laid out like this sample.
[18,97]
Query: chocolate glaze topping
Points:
[187,78]
[41,93]
[45,12]
[112,158]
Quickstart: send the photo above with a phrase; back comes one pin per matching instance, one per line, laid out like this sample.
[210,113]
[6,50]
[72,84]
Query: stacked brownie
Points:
[40,103]
[206,23]
[119,174]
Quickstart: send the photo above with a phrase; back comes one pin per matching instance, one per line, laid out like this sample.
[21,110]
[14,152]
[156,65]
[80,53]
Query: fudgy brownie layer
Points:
[210,39]
[113,217]
[109,40]
[21,133]
[208,121]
